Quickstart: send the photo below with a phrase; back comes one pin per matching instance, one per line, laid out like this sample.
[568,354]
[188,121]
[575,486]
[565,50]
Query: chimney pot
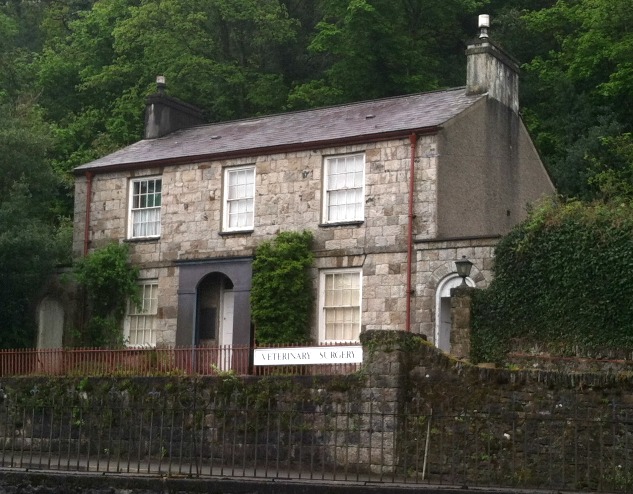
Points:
[484,24]
[161,84]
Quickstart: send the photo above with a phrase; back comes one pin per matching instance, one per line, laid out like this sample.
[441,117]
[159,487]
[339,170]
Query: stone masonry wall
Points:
[288,197]
[436,263]
[488,426]
[461,301]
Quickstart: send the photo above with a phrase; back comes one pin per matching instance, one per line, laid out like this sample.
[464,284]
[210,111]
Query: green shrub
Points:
[109,281]
[281,295]
[562,280]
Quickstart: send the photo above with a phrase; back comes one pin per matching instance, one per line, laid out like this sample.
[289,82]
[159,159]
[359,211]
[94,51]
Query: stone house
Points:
[394,190]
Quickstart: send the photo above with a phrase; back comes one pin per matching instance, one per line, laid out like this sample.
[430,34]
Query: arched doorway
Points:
[214,311]
[214,308]
[443,321]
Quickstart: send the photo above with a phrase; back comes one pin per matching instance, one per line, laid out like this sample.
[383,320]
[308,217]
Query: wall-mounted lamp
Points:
[463,267]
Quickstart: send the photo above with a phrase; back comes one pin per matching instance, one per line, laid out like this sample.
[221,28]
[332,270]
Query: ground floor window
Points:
[340,305]
[141,318]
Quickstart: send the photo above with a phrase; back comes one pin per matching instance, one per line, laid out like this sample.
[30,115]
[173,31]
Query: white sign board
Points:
[348,354]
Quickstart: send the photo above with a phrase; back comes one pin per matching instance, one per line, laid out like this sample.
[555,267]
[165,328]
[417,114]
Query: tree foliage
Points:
[74,75]
[110,283]
[562,279]
[281,295]
[89,64]
[28,238]
[222,55]
[375,48]
[578,63]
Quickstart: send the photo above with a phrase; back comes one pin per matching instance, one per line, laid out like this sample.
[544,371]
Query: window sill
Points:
[235,232]
[141,240]
[341,223]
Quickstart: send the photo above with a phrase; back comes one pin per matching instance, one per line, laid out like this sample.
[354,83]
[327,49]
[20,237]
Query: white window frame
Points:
[324,309]
[239,196]
[143,318]
[136,209]
[344,188]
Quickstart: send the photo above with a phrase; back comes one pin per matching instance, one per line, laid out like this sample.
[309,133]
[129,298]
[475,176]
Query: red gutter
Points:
[413,139]
[89,176]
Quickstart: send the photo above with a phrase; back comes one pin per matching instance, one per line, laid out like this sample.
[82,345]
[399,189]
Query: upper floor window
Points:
[344,188]
[142,318]
[340,305]
[239,198]
[145,201]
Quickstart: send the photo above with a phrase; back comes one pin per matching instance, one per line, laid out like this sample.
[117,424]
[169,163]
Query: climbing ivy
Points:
[563,282]
[109,281]
[282,295]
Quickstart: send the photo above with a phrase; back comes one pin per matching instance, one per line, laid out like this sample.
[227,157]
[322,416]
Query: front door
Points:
[215,301]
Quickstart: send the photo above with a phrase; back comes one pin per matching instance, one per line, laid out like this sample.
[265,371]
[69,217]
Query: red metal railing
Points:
[150,362]
[124,361]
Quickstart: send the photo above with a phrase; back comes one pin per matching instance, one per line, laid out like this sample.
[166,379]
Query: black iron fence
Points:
[242,436]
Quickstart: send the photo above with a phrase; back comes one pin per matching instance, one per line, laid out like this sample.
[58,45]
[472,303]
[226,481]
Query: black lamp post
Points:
[463,269]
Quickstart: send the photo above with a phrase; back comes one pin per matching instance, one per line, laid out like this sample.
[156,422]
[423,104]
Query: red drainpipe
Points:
[413,139]
[89,176]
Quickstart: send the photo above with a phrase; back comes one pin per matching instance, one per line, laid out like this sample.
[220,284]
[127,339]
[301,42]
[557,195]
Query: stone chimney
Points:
[491,70]
[164,114]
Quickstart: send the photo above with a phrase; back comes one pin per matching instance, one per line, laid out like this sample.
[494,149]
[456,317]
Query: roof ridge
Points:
[317,108]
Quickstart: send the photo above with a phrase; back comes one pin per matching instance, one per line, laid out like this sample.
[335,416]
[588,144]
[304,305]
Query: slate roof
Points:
[324,125]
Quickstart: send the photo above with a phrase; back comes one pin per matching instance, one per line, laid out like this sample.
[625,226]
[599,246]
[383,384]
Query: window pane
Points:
[146,222]
[341,306]
[142,318]
[146,201]
[240,195]
[344,190]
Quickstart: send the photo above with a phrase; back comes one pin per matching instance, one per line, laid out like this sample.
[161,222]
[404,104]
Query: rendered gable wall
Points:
[488,172]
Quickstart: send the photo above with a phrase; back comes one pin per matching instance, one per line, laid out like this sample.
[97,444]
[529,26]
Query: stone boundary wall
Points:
[376,421]
[547,362]
[449,383]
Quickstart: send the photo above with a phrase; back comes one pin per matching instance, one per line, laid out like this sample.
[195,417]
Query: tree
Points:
[224,56]
[378,48]
[580,82]
[29,244]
